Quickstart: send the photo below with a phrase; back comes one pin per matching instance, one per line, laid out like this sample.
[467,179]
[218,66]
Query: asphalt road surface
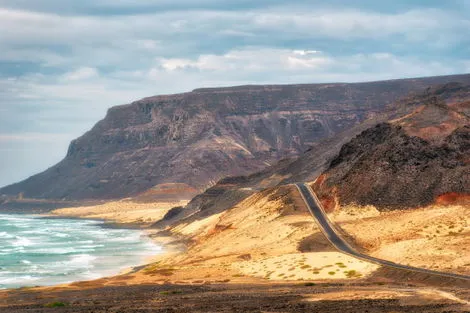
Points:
[315,207]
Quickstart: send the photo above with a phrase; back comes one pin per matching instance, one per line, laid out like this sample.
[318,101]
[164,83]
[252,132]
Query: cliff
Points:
[199,137]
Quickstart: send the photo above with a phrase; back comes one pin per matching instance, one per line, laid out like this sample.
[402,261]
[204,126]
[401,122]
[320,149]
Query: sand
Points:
[268,237]
[307,266]
[271,236]
[124,211]
[436,237]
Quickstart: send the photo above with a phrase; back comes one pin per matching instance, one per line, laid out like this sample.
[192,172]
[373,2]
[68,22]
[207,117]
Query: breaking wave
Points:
[37,251]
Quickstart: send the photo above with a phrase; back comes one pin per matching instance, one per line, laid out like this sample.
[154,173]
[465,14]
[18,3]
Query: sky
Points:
[63,63]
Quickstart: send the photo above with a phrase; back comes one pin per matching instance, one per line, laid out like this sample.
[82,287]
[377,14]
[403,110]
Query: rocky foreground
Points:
[323,297]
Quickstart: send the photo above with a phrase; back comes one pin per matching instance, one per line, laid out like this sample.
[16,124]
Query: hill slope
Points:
[406,163]
[196,138]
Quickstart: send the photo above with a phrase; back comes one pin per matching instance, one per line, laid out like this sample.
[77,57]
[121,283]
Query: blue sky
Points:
[64,62]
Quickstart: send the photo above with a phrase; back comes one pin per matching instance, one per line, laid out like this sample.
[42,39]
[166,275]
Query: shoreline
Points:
[105,223]
[129,214]
[112,224]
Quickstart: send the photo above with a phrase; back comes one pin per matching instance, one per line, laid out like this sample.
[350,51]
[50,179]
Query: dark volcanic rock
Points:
[402,164]
[199,137]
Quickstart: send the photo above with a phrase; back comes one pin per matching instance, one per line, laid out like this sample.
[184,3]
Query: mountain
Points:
[194,139]
[438,114]
[414,161]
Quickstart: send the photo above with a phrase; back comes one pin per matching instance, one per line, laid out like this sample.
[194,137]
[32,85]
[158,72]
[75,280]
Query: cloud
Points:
[249,60]
[306,66]
[27,28]
[82,73]
[125,7]
[36,137]
[305,52]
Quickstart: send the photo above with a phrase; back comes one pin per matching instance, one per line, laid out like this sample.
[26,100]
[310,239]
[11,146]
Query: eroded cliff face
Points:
[199,137]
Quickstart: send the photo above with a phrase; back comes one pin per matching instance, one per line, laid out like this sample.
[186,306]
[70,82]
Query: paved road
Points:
[315,207]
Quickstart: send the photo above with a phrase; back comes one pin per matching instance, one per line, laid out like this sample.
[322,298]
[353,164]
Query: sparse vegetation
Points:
[56,304]
[352,274]
[341,265]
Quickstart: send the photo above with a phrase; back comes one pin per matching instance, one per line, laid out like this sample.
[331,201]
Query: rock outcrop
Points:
[410,162]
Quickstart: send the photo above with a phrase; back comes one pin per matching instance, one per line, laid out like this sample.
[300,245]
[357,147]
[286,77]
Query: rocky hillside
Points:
[410,162]
[446,106]
[199,137]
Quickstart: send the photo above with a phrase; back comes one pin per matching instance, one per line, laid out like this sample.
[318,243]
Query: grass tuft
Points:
[56,304]
[352,274]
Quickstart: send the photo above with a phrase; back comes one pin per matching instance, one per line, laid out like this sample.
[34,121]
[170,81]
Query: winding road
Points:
[328,229]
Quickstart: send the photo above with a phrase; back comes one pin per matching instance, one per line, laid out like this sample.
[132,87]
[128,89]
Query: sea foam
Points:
[41,251]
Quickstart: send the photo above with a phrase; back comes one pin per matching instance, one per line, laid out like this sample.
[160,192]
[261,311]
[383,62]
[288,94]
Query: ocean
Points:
[38,251]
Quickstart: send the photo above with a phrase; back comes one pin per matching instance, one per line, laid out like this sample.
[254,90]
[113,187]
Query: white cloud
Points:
[305,52]
[176,64]
[37,137]
[148,44]
[271,66]
[249,59]
[350,24]
[82,73]
[311,63]
[155,31]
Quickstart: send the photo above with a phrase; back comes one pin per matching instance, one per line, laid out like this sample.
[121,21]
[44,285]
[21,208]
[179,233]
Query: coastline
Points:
[127,214]
[107,223]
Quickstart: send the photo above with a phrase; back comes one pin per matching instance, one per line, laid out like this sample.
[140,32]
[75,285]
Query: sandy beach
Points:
[122,212]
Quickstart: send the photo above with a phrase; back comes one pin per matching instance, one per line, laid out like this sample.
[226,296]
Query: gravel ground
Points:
[214,298]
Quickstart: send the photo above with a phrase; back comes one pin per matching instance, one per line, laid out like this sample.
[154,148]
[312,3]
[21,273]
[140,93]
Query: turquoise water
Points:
[37,251]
